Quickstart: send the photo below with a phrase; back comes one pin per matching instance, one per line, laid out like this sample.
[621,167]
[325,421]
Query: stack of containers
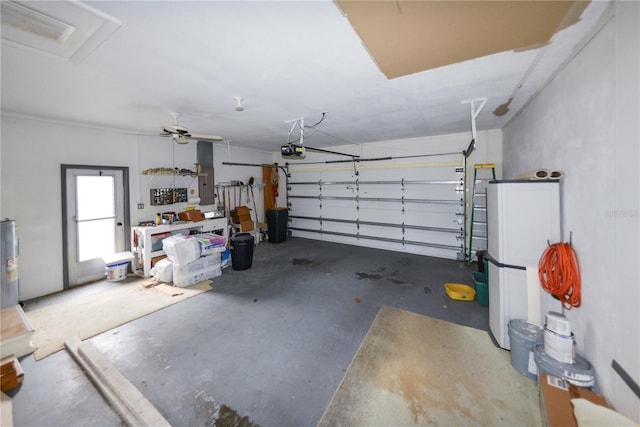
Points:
[192,258]
[524,336]
[559,341]
[556,355]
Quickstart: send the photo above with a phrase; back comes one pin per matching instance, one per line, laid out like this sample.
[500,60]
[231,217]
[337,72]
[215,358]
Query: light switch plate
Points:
[140,205]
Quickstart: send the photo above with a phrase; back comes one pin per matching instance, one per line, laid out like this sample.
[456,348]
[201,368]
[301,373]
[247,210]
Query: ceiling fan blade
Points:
[175,129]
[206,137]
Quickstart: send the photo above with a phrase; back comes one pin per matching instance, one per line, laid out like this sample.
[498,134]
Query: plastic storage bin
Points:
[241,251]
[117,265]
[117,272]
[459,291]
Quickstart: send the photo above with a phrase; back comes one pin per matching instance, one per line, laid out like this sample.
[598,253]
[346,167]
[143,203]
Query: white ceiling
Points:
[287,59]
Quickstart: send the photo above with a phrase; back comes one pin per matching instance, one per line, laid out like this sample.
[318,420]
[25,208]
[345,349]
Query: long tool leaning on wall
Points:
[253,198]
[274,179]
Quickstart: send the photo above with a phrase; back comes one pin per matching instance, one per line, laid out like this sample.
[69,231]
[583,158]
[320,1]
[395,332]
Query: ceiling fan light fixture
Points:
[239,106]
[180,139]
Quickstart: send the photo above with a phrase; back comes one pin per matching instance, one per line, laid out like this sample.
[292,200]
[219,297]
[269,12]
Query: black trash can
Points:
[277,224]
[241,251]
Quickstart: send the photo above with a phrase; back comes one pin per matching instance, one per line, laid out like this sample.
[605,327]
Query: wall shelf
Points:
[172,172]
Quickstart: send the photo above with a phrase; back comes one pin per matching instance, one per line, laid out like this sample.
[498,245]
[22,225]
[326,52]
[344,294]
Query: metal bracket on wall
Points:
[475,112]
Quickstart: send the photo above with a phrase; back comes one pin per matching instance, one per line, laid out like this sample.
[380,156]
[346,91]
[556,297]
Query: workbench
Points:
[146,242]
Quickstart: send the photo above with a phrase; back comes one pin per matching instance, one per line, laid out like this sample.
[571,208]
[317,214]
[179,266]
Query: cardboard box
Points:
[192,215]
[155,259]
[241,213]
[242,210]
[555,400]
[246,225]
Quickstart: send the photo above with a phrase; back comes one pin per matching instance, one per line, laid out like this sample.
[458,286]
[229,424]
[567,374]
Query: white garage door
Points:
[401,205]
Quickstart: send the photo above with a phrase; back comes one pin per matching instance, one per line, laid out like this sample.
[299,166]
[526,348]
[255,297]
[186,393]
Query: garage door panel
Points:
[401,206]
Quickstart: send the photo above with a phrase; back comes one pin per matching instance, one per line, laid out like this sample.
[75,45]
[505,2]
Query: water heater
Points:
[9,254]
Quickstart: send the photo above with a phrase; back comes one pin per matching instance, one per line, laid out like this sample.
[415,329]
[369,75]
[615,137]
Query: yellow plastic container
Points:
[460,292]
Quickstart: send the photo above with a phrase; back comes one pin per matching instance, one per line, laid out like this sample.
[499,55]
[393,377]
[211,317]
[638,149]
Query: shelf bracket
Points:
[475,112]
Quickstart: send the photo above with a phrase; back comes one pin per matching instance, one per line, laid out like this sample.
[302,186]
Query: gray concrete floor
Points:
[268,346]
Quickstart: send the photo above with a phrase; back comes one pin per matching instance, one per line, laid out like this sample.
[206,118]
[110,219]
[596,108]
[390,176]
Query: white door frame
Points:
[92,269]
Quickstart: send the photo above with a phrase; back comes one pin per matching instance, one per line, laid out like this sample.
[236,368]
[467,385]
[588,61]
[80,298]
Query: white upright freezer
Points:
[522,217]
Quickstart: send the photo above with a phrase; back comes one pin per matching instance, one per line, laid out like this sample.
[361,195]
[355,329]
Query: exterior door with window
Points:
[95,220]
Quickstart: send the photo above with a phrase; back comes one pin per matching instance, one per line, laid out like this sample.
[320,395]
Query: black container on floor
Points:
[277,224]
[480,255]
[241,251]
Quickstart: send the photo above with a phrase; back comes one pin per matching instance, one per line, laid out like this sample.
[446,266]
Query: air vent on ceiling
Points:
[66,29]
[23,18]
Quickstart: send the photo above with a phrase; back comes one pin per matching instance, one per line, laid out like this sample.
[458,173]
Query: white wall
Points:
[585,122]
[32,152]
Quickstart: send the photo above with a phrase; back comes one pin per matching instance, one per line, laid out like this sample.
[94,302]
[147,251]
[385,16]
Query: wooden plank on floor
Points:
[150,283]
[11,374]
[6,411]
[125,398]
[15,332]
[171,290]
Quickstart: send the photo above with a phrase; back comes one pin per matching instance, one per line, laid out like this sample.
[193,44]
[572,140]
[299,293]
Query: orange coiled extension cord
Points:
[559,274]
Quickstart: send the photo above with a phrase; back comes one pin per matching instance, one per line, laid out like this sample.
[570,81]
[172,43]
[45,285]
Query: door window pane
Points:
[95,197]
[95,238]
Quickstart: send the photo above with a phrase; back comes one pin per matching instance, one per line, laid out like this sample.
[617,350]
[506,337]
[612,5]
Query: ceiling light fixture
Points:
[239,106]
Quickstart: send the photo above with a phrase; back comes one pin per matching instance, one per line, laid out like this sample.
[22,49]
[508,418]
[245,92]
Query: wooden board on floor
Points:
[15,332]
[123,396]
[171,290]
[150,283]
[416,370]
[6,409]
[11,373]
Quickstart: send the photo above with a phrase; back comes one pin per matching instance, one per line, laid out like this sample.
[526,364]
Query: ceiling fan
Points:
[181,134]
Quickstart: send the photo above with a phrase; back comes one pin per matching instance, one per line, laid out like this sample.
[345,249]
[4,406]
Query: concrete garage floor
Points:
[268,346]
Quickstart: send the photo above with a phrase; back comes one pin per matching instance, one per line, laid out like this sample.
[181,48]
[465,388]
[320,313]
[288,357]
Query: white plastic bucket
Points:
[560,347]
[117,272]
